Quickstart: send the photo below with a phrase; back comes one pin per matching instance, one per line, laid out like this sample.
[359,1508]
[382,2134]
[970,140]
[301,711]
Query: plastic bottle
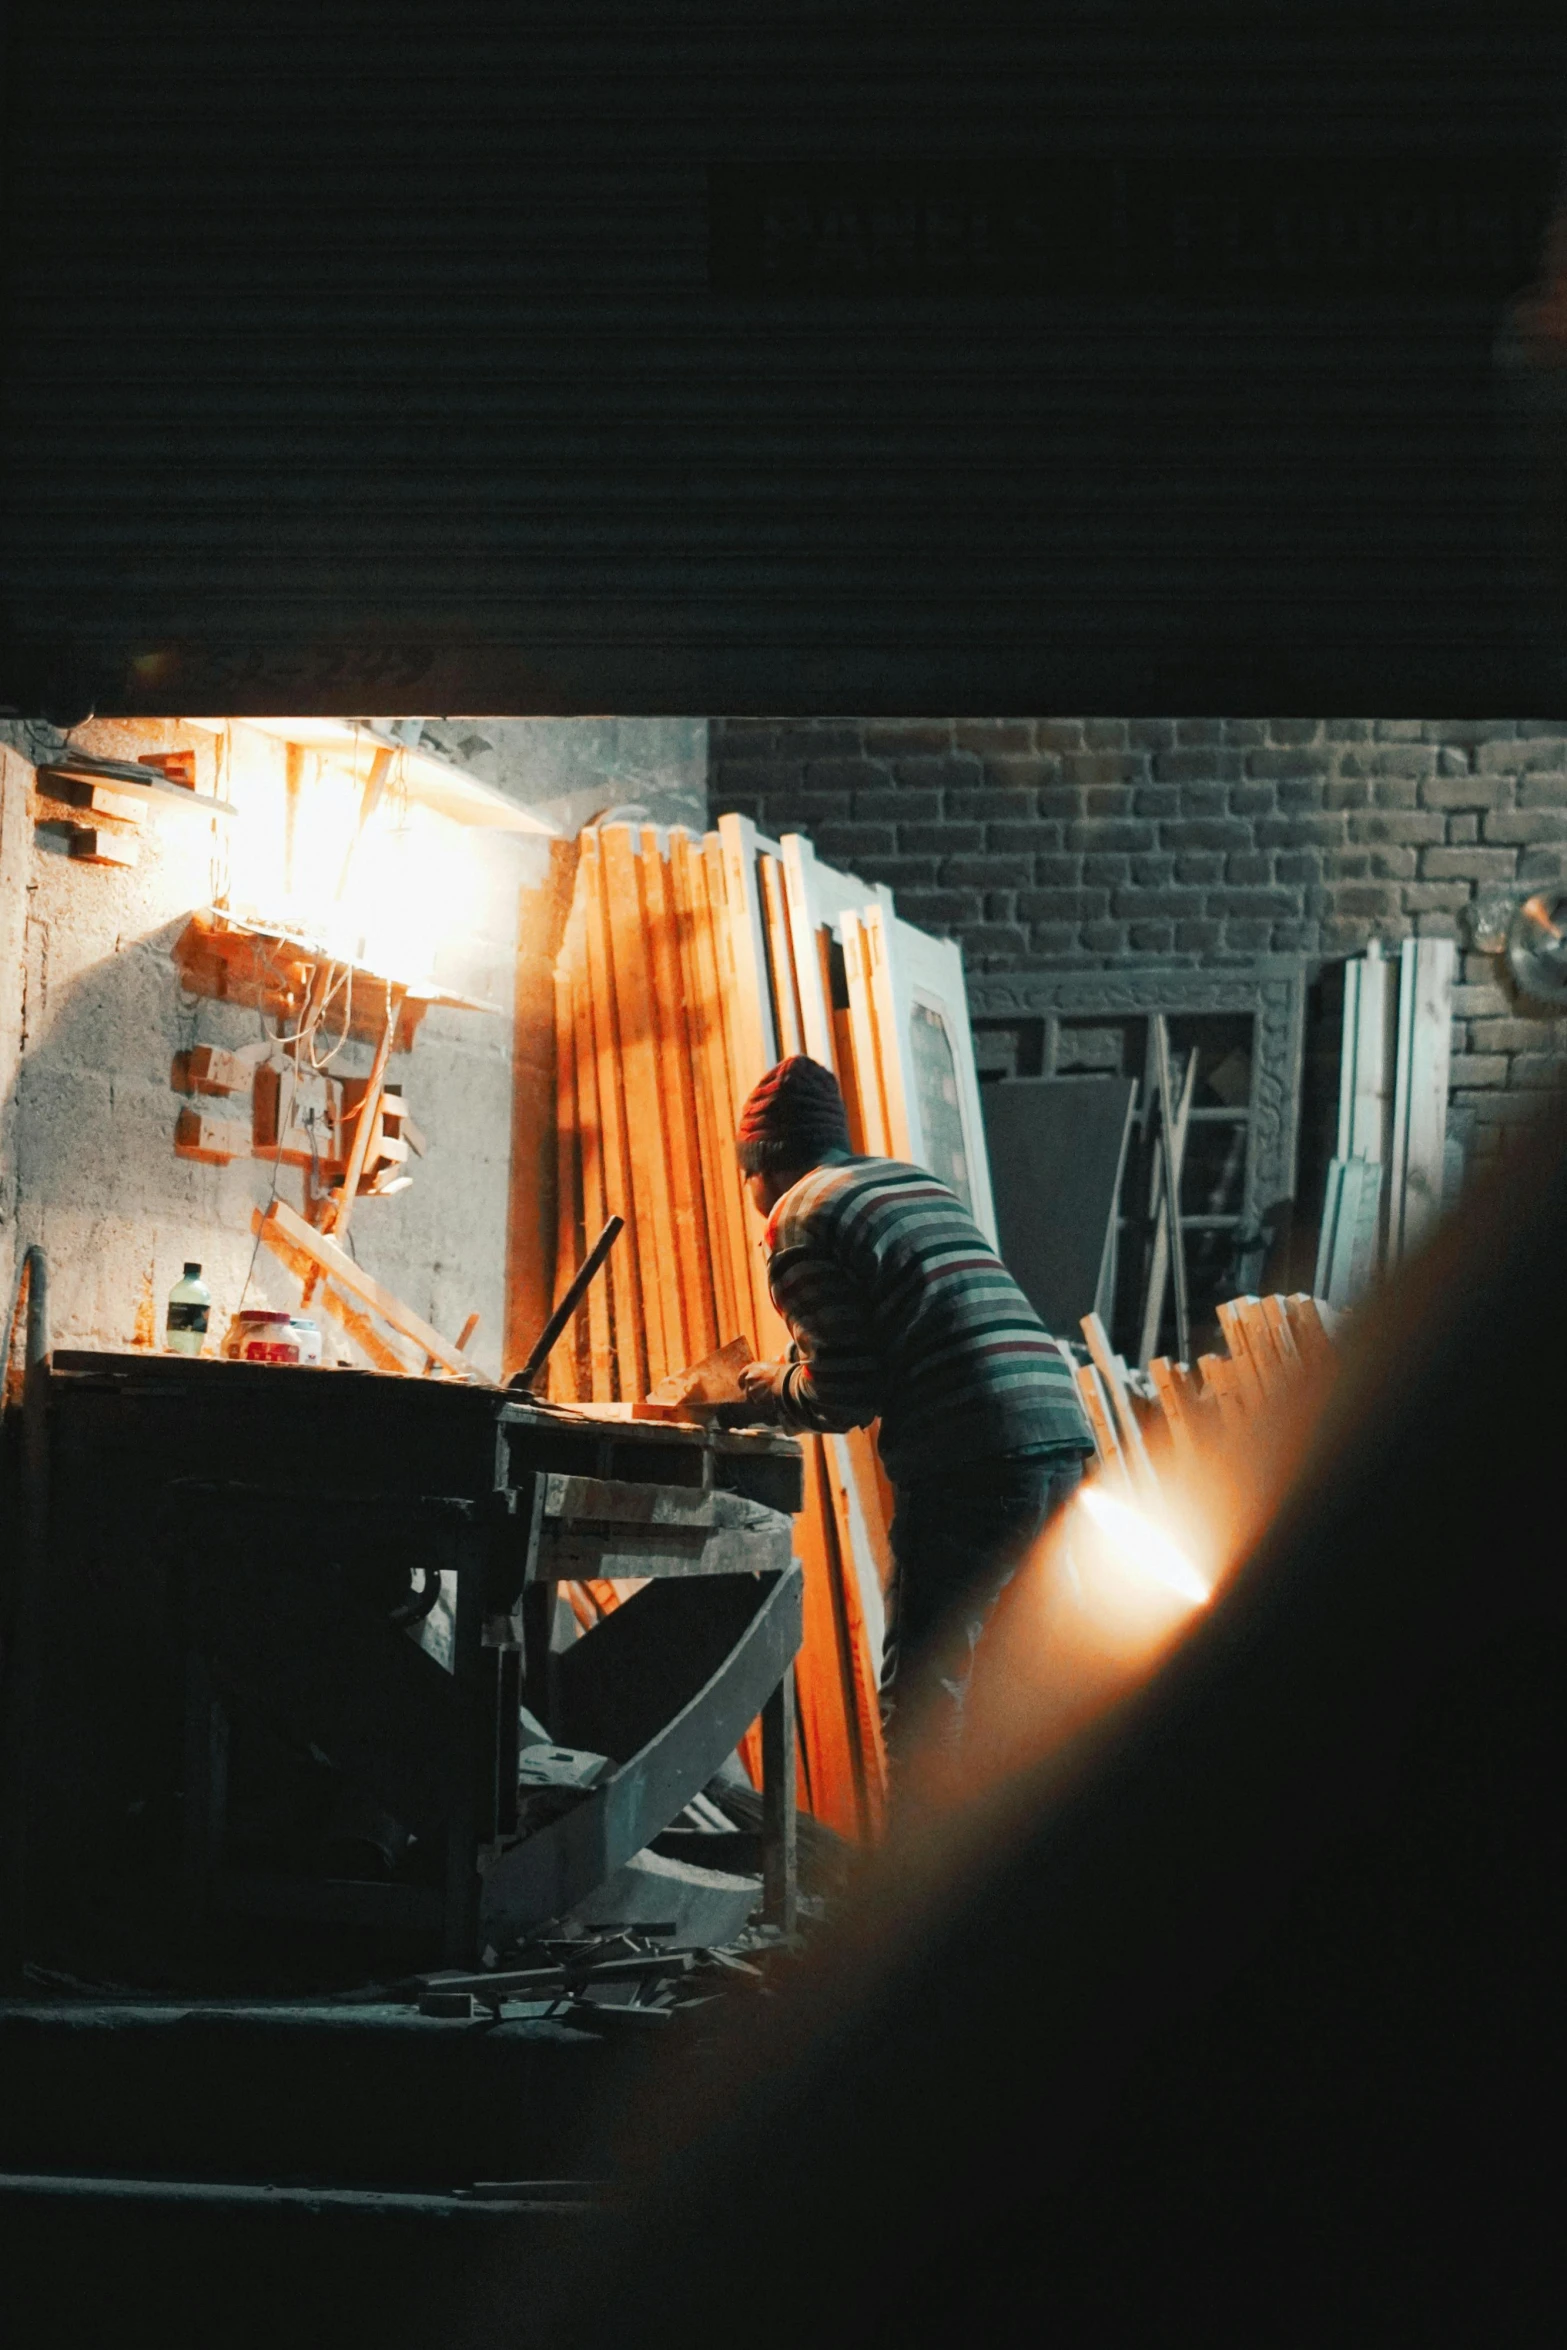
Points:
[190,1305]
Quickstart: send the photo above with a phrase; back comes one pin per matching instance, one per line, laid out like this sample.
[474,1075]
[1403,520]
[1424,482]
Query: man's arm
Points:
[837,1381]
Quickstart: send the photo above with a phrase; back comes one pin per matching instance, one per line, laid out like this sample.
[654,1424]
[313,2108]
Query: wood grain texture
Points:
[564,1371]
[630,1351]
[722,1220]
[682,1137]
[653,1244]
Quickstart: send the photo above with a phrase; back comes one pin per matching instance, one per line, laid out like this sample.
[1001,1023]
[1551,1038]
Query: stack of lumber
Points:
[675,990]
[1229,1410]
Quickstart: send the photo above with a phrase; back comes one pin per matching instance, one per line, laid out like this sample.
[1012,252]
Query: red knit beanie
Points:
[792,1119]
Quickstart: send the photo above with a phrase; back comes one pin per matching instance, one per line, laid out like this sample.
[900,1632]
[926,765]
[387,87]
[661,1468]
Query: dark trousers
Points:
[957,1541]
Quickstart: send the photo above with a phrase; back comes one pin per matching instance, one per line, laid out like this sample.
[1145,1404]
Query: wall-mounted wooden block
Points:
[91,845]
[206,1068]
[92,798]
[297,1119]
[214,1141]
[174,766]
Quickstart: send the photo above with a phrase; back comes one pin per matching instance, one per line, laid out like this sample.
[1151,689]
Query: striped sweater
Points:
[901,1310]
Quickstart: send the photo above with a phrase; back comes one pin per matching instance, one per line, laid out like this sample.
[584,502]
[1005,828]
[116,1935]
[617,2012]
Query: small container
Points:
[308,1334]
[266,1334]
[189,1311]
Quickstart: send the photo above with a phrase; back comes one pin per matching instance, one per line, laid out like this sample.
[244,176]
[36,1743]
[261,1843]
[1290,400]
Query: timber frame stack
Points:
[687,967]
[1231,1408]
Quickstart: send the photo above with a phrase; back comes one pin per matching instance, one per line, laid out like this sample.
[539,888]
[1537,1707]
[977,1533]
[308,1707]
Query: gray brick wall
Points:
[1080,842]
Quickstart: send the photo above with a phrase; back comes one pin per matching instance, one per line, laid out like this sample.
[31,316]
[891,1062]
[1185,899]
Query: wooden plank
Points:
[807,944]
[1177,1407]
[737,928]
[339,1266]
[601,1343]
[1112,1371]
[1250,1385]
[862,1656]
[1332,1209]
[822,1678]
[872,1092]
[780,956]
[1351,1229]
[341,1208]
[1425,1035]
[1275,1310]
[1311,1332]
[658,1270]
[1373,1057]
[1097,1405]
[891,1056]
[676,1067]
[359,1327]
[723,1227]
[818,898]
[625,1296]
[565,1373]
[1263,1347]
[1221,1380]
[1354,971]
[741,1226]
[756,1037]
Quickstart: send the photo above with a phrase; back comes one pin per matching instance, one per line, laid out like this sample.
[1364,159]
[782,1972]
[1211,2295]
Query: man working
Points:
[901,1311]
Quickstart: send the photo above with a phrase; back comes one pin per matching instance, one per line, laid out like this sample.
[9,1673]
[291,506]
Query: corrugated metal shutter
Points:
[364,355]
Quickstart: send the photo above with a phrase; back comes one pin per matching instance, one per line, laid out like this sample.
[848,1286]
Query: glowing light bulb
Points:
[1145,1546]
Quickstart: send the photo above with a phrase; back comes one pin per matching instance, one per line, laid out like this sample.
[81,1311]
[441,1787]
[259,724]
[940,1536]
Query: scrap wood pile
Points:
[1229,1408]
[678,983]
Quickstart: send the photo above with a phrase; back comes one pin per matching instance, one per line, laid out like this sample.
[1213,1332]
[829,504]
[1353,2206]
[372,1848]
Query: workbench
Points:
[222,1567]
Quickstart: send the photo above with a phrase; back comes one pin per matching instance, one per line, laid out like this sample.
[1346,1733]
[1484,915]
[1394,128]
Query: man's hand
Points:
[759,1381]
[759,1387]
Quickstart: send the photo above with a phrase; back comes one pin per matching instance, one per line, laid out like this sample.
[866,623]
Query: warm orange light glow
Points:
[1145,1547]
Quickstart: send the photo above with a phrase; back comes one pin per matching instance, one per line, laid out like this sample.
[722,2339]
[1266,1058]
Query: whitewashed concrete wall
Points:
[92,1014]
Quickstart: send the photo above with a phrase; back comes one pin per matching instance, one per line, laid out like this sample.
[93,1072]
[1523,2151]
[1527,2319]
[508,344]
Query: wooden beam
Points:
[780,957]
[1425,1042]
[1255,1379]
[1112,1371]
[543,907]
[723,1227]
[601,1341]
[683,1140]
[734,898]
[1097,1405]
[358,1326]
[874,1120]
[1177,1406]
[339,1266]
[565,1383]
[757,1039]
[630,1353]
[806,941]
[654,1237]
